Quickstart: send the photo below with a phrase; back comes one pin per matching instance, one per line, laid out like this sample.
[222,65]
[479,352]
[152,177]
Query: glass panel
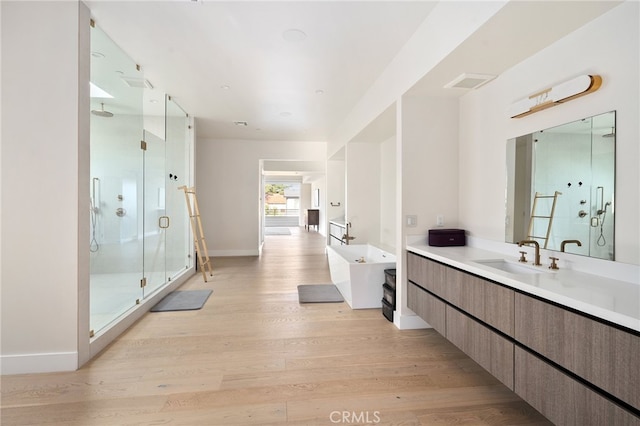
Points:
[178,148]
[116,182]
[155,218]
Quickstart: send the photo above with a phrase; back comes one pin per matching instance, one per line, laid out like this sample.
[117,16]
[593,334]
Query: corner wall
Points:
[45,196]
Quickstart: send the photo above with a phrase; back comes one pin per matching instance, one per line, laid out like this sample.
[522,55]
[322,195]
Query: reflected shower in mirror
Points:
[561,186]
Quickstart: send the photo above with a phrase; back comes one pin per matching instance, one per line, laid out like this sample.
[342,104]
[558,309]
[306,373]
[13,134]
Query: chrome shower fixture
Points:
[102,112]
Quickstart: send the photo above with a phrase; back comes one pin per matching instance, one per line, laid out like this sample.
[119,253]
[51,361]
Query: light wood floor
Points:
[254,355]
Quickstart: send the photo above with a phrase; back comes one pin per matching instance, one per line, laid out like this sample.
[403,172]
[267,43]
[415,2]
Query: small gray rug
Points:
[182,301]
[319,293]
[276,231]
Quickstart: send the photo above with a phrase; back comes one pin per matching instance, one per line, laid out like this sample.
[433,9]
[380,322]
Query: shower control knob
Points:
[582,213]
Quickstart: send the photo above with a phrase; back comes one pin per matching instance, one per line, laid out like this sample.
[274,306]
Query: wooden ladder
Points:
[198,234]
[548,217]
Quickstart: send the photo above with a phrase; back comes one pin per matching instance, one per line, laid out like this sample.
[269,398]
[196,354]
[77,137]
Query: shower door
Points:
[178,236]
[116,168]
[156,222]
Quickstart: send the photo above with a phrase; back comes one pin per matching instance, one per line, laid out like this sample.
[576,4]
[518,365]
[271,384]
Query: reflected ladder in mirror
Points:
[548,217]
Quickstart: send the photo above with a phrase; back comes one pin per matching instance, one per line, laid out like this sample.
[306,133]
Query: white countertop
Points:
[612,300]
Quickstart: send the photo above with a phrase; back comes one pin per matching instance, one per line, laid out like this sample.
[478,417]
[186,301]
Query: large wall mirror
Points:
[561,187]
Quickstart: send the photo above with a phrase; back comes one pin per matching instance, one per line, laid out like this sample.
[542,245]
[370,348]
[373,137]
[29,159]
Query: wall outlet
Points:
[440,220]
[412,221]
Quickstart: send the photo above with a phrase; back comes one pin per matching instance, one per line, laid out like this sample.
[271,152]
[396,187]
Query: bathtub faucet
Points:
[346,237]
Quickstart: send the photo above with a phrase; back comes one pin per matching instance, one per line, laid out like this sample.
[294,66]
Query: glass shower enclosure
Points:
[140,145]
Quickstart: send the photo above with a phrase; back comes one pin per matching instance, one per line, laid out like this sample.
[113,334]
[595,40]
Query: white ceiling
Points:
[227,61]
[192,49]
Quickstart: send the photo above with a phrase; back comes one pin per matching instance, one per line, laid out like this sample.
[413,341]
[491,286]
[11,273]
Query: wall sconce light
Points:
[555,95]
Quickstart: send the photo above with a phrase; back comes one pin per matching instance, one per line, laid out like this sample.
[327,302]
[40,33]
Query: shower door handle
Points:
[163,222]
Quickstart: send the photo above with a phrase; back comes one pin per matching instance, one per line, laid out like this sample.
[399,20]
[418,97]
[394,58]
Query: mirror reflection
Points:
[561,187]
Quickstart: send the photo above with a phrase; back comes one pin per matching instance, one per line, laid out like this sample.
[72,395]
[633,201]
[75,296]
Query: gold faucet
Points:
[565,242]
[346,237]
[536,261]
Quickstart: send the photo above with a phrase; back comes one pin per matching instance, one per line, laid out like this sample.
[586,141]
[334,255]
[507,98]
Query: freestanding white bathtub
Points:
[359,283]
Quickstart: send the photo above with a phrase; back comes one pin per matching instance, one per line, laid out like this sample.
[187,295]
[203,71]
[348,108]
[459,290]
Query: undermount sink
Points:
[511,267]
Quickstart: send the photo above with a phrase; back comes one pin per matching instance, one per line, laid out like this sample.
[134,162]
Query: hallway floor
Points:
[254,356]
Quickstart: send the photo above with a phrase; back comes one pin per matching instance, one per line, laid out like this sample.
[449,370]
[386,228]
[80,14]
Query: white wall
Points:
[388,194]
[428,177]
[45,186]
[363,191]
[228,188]
[335,189]
[608,46]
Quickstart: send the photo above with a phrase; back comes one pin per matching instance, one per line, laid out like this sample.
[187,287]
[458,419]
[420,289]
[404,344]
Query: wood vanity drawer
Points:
[427,307]
[427,274]
[601,354]
[489,349]
[487,301]
[562,399]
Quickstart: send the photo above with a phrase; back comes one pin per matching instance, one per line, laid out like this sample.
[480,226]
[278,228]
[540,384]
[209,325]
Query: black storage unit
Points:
[447,237]
[389,294]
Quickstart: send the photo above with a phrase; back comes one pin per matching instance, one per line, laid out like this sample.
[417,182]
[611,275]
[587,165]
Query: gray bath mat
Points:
[319,293]
[182,301]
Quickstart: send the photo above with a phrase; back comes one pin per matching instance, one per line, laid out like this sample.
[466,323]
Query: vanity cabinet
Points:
[601,354]
[573,368]
[562,399]
[457,292]
[428,307]
[427,274]
[313,218]
[487,301]
[493,352]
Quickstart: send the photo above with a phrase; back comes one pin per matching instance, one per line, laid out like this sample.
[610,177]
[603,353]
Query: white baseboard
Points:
[230,253]
[409,322]
[38,363]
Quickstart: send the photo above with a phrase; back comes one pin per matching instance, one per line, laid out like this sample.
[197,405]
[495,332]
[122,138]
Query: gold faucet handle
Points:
[523,257]
[553,265]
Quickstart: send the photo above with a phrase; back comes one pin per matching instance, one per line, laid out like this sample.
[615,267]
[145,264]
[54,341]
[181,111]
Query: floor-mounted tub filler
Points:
[358,272]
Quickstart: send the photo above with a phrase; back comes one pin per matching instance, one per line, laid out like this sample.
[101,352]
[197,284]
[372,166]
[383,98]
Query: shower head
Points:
[102,112]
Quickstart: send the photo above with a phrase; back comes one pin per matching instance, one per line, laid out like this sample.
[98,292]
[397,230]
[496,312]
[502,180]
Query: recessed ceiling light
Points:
[285,114]
[225,87]
[319,92]
[469,81]
[97,54]
[153,101]
[294,35]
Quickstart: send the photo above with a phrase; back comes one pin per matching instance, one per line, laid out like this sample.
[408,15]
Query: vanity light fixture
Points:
[555,95]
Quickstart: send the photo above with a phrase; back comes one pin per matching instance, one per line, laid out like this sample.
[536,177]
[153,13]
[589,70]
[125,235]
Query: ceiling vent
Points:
[469,81]
[241,123]
[139,83]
